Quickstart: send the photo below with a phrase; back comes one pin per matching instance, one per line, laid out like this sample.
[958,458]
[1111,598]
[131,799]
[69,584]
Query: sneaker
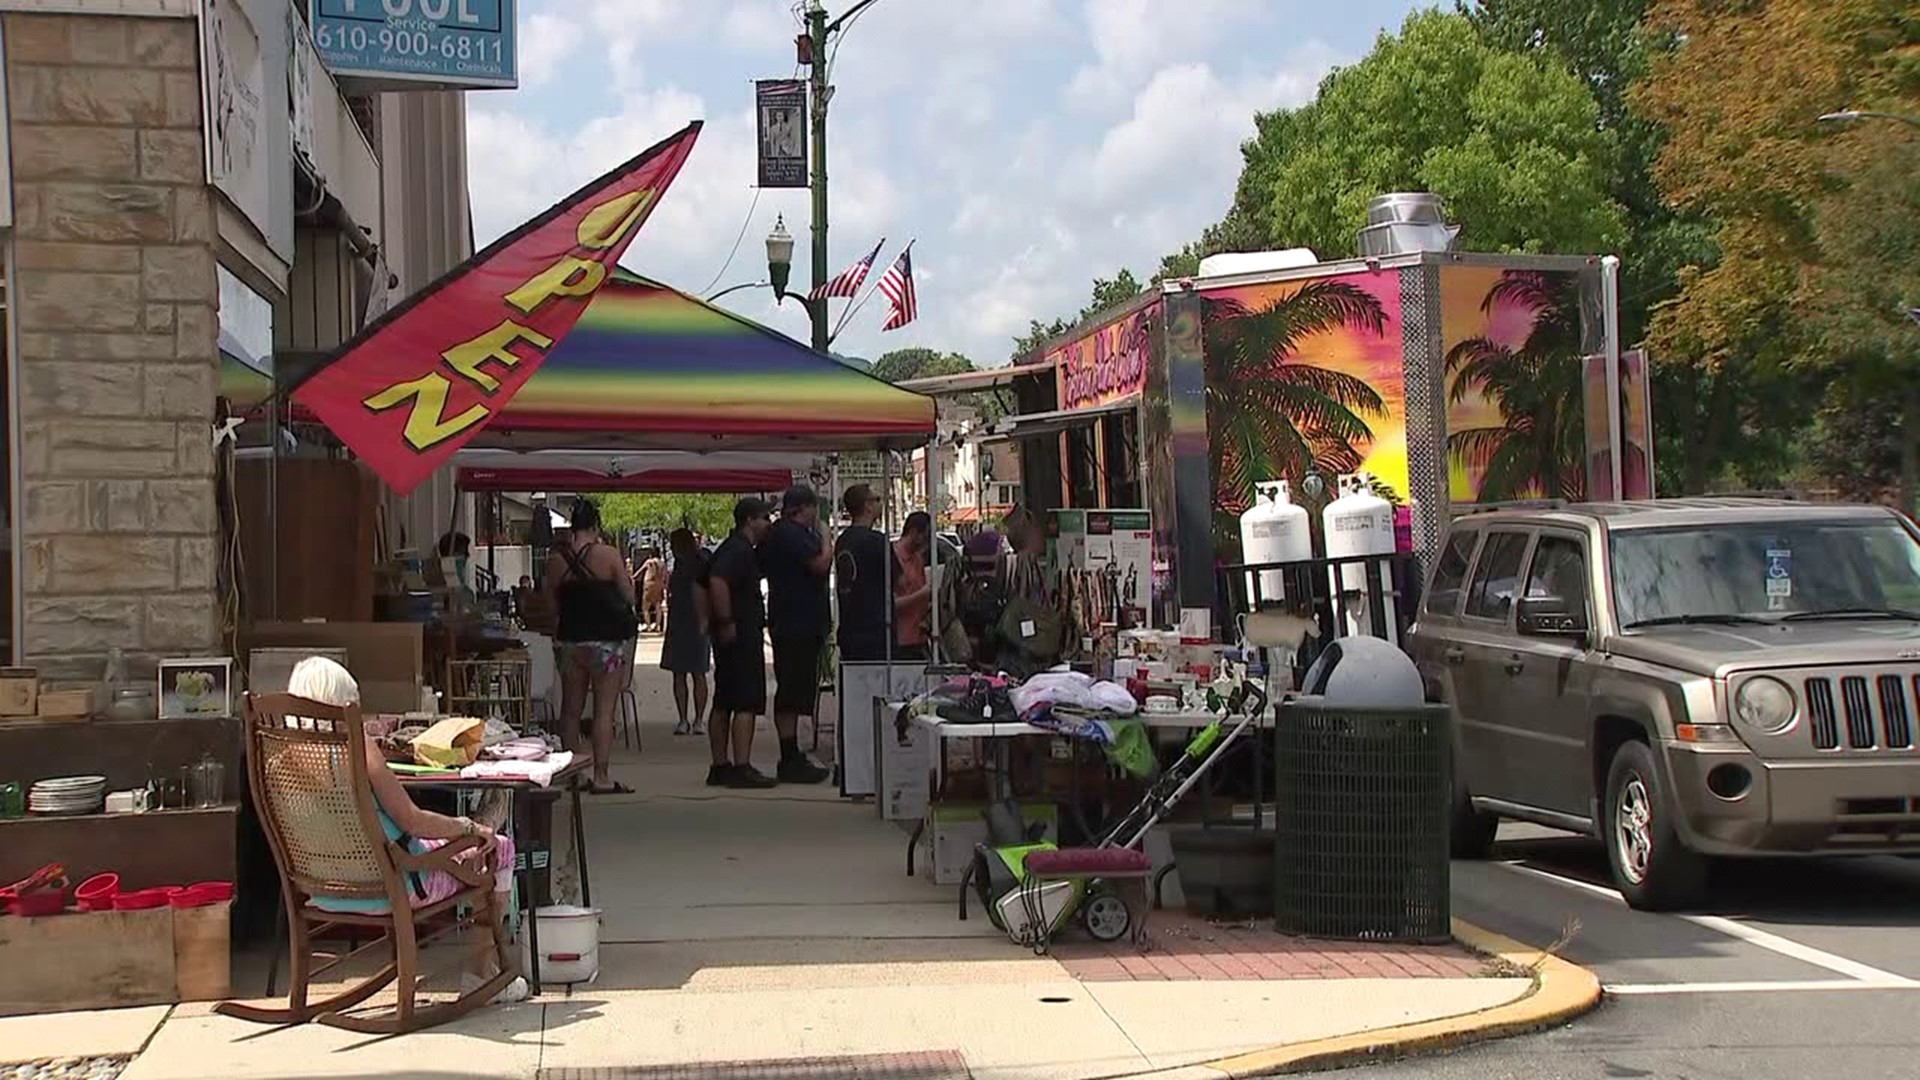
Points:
[682,727]
[699,725]
[801,770]
[749,778]
[719,775]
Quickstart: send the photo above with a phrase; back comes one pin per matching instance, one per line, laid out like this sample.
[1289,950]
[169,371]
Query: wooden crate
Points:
[115,959]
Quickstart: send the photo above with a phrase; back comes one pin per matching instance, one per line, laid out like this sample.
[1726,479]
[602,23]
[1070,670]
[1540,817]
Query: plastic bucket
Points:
[569,943]
[97,892]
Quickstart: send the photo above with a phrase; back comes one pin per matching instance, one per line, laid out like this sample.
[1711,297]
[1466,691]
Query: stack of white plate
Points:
[68,795]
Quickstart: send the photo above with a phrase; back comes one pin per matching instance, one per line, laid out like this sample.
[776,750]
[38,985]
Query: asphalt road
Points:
[1795,970]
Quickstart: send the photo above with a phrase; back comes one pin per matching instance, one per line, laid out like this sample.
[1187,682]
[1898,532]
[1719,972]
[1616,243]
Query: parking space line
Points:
[1866,976]
[1763,986]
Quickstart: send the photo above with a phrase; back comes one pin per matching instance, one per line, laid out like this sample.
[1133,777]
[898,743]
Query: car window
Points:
[1559,572]
[1496,577]
[1450,576]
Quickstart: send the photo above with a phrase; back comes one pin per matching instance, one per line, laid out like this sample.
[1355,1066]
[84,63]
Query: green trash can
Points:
[1361,800]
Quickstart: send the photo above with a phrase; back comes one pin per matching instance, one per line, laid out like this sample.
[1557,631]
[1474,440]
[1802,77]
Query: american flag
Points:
[850,279]
[897,283]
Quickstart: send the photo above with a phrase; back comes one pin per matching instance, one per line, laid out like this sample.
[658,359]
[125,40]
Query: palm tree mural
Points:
[1270,414]
[1538,449]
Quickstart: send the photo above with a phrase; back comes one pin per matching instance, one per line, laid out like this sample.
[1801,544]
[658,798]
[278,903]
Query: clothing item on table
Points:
[540,773]
[1073,688]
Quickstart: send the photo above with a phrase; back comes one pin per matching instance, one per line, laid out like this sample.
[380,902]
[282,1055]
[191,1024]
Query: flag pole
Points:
[848,314]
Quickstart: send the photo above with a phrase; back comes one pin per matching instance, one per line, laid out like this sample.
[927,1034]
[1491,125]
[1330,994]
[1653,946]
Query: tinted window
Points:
[1754,570]
[1497,576]
[1559,572]
[1450,577]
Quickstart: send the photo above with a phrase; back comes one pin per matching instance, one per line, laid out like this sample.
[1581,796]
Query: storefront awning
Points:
[1035,425]
[969,381]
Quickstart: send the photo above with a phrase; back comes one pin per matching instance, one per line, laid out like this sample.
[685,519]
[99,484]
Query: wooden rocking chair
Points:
[307,767]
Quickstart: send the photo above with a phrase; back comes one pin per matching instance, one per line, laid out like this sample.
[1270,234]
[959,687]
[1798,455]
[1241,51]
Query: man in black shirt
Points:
[732,578]
[797,559]
[860,569]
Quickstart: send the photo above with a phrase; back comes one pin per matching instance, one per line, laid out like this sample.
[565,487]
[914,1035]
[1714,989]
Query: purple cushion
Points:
[1088,862]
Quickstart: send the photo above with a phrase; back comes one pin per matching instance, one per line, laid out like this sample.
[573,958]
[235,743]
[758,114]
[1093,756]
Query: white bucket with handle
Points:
[569,943]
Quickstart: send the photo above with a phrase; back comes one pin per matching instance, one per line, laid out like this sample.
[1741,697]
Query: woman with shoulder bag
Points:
[591,585]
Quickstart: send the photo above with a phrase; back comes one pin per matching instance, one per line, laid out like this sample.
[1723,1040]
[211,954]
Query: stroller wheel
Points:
[1107,917]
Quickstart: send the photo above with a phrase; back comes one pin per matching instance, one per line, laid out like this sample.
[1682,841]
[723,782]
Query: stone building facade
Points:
[114,311]
[120,238]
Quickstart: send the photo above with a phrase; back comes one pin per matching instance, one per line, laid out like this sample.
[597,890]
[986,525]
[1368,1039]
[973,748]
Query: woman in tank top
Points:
[591,586]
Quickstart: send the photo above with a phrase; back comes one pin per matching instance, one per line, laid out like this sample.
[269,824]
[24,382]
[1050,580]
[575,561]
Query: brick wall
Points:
[115,298]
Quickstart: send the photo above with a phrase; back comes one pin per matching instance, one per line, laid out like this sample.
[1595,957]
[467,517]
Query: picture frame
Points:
[195,688]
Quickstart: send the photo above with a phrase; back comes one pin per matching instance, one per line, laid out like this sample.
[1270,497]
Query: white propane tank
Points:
[1273,530]
[1359,523]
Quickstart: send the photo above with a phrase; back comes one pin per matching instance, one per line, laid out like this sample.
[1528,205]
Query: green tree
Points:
[901,365]
[1540,445]
[1511,141]
[1801,281]
[1106,293]
[708,515]
[1272,415]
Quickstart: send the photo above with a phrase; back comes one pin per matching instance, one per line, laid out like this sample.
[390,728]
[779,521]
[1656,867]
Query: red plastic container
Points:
[40,902]
[145,899]
[204,894]
[97,892]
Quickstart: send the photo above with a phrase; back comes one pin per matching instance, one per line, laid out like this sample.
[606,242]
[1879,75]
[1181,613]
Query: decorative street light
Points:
[1850,116]
[779,258]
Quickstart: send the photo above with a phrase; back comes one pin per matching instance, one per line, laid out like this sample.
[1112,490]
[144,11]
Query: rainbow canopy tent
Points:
[648,367]
[649,370]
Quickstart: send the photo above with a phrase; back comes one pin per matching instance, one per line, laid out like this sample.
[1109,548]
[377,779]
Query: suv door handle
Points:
[1515,664]
[1455,656]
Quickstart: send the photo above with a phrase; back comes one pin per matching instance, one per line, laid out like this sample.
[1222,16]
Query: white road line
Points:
[1806,954]
[1870,977]
[1779,986]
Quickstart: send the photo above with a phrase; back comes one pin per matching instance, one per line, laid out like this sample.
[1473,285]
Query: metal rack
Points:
[500,687]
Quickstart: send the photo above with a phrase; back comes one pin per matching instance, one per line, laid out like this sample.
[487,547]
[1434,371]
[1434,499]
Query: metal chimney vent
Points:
[1404,223]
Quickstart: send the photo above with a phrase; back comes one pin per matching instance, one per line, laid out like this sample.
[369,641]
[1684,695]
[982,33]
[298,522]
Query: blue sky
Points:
[1029,145]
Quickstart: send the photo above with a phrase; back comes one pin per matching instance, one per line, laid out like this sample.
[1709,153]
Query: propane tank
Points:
[1360,523]
[1273,530]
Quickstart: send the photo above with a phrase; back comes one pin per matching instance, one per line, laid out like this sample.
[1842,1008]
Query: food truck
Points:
[1442,377]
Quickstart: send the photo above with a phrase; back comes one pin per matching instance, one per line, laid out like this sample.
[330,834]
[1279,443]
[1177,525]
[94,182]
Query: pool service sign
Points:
[448,43]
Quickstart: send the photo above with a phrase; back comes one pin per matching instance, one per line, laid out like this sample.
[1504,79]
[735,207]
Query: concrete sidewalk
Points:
[772,926]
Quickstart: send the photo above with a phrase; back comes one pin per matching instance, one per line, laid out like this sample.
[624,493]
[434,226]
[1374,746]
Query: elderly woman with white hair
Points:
[324,681]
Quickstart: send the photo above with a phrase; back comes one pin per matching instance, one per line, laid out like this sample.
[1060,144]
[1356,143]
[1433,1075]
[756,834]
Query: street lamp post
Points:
[779,269]
[1853,116]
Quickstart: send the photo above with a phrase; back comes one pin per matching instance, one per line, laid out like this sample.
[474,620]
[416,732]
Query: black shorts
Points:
[796,673]
[740,677]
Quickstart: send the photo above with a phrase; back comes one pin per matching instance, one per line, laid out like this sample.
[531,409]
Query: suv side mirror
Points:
[1552,617]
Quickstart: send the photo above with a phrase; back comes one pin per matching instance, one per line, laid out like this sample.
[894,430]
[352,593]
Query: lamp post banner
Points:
[421,381]
[780,108]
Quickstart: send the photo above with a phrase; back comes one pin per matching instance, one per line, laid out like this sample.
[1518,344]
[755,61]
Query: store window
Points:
[7,434]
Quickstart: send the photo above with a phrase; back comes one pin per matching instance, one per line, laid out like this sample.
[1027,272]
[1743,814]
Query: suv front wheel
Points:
[1654,870]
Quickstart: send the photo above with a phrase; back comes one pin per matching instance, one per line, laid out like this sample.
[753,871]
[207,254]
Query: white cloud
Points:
[756,24]
[1132,39]
[545,41]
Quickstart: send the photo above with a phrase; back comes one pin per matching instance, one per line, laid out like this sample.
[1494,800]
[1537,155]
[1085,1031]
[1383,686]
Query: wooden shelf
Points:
[190,811]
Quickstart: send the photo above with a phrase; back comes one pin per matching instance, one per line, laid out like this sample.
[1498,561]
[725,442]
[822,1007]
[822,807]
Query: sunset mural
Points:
[1305,375]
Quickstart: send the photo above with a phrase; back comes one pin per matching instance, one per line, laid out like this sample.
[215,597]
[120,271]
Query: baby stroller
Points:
[1032,889]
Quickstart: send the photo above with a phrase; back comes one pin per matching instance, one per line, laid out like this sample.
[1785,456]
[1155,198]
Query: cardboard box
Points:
[386,658]
[19,691]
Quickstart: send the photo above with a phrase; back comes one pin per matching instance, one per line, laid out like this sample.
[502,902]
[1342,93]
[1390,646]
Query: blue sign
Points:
[451,43]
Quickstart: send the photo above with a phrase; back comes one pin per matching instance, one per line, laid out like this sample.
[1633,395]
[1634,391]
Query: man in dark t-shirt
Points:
[732,578]
[860,570]
[797,559]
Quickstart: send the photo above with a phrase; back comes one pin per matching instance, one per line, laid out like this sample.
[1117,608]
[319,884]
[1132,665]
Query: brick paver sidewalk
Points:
[1185,947]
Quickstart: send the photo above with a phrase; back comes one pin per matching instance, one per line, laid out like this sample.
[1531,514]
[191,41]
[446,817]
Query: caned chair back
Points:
[307,767]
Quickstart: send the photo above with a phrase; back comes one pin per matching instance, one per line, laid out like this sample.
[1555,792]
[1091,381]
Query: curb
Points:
[1561,991]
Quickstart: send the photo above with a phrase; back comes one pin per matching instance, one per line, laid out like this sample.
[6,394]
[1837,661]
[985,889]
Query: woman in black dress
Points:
[685,652]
